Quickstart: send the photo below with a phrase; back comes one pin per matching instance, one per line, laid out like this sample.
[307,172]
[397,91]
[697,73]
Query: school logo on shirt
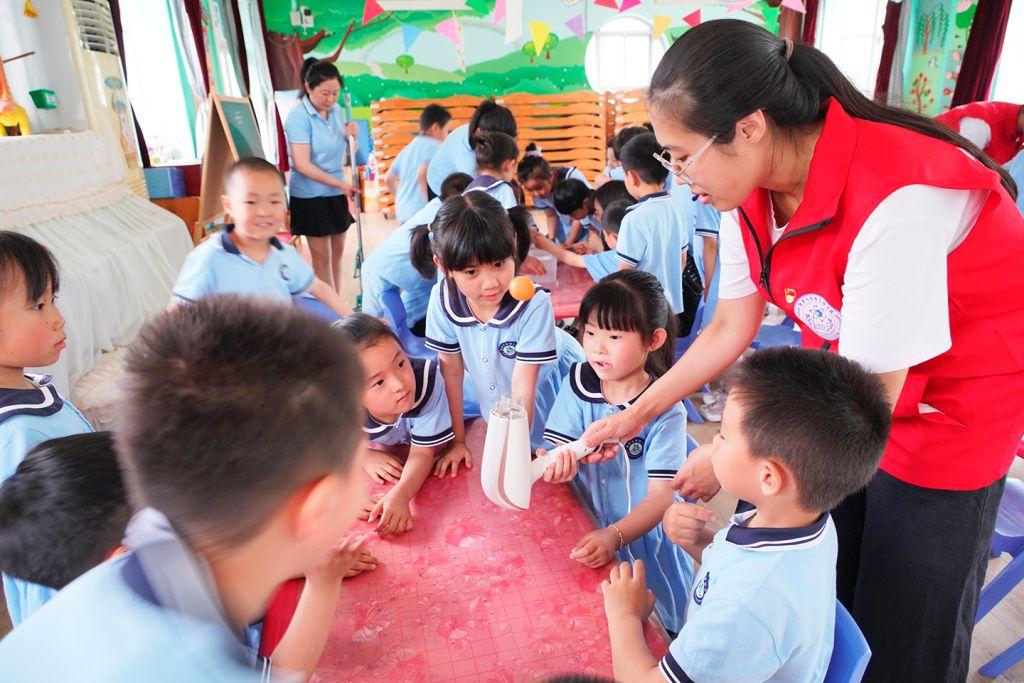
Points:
[286,273]
[700,588]
[507,349]
[634,447]
[819,315]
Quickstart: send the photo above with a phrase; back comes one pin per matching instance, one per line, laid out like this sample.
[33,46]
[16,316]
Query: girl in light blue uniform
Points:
[503,346]
[457,154]
[496,155]
[628,335]
[389,265]
[538,177]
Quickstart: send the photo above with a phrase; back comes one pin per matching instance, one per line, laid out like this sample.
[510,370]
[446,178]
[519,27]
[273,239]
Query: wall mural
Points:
[939,37]
[490,47]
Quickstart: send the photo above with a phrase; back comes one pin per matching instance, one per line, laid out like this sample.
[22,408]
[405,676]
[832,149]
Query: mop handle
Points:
[358,270]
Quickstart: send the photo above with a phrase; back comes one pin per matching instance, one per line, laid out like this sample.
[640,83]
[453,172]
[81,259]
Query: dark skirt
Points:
[320,216]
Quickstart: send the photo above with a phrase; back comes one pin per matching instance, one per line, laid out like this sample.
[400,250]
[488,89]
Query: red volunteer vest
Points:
[1001,117]
[960,414]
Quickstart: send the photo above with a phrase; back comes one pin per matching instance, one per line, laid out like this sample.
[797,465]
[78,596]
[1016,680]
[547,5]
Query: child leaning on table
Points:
[801,431]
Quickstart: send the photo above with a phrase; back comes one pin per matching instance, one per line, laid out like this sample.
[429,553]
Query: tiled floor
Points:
[1000,629]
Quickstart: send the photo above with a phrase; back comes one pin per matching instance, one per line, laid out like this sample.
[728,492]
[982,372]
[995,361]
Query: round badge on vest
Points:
[819,315]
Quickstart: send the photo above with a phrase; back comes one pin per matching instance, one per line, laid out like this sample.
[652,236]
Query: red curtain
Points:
[810,22]
[890,36]
[982,54]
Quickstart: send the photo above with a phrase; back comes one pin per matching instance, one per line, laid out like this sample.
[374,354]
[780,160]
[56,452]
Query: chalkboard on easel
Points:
[232,134]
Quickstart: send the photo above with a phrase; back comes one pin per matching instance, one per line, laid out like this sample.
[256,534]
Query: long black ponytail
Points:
[723,70]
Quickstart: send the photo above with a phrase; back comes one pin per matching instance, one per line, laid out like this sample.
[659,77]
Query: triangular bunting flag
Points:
[693,18]
[661,23]
[449,28]
[409,35]
[370,10]
[795,5]
[539,30]
[611,4]
[499,12]
[576,25]
[628,4]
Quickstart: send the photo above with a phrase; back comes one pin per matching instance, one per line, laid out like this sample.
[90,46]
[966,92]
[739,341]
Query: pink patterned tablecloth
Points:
[475,593]
[566,296]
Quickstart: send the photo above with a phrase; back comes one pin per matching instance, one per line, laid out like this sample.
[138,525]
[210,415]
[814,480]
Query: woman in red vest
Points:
[996,127]
[891,240]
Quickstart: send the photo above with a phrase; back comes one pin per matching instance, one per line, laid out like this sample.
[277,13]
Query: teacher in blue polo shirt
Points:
[318,192]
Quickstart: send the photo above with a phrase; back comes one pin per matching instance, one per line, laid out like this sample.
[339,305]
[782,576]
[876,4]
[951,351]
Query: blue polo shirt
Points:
[615,487]
[29,417]
[151,614]
[519,332]
[217,267]
[427,423]
[600,264]
[762,607]
[1016,168]
[702,220]
[454,156]
[496,187]
[327,145]
[564,221]
[410,197]
[653,237]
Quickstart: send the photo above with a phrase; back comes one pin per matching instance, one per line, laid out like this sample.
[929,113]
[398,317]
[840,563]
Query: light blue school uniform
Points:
[600,264]
[454,156]
[702,220]
[327,144]
[389,267]
[217,267]
[617,173]
[762,607]
[497,188]
[616,486]
[519,332]
[564,221]
[151,614]
[427,423]
[653,237]
[1016,169]
[29,417]
[410,198]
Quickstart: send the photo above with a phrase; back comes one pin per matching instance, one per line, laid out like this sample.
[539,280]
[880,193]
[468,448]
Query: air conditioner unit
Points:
[97,60]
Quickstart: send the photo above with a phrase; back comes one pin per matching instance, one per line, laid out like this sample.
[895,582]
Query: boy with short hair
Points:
[407,177]
[246,258]
[572,198]
[31,410]
[239,429]
[653,235]
[601,263]
[802,430]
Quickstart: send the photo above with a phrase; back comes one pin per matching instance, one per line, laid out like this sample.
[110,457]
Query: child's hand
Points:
[342,558]
[562,469]
[597,548]
[382,467]
[365,562]
[371,502]
[684,521]
[626,594]
[457,454]
[696,479]
[580,248]
[393,512]
[531,266]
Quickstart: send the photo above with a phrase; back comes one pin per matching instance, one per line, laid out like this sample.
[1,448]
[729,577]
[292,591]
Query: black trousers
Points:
[911,564]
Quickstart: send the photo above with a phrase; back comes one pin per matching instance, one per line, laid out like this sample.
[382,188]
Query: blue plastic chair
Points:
[315,307]
[782,334]
[850,651]
[1008,537]
[394,312]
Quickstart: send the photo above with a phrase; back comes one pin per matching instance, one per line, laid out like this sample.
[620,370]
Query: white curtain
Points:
[895,96]
[260,88]
[189,55]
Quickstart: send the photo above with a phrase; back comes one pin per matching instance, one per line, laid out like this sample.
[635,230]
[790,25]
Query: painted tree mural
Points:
[530,50]
[404,62]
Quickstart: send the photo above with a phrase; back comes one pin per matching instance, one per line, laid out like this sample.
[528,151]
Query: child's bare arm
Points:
[421,180]
[393,507]
[325,293]
[524,385]
[574,231]
[598,548]
[627,602]
[452,369]
[558,251]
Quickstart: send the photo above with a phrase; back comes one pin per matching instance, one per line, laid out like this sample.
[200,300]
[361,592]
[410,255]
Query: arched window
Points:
[622,55]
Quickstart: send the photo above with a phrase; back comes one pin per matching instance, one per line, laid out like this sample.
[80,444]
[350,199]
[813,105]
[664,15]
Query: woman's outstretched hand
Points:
[608,432]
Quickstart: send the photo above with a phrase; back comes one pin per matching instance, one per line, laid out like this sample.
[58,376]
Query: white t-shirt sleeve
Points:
[895,294]
[734,268]
[976,130]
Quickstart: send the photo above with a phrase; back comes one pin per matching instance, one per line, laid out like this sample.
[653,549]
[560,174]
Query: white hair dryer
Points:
[506,471]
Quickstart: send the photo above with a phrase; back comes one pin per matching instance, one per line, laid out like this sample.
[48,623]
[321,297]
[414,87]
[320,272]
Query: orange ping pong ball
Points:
[522,288]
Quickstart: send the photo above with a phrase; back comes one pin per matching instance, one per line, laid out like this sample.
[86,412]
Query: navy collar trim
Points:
[587,385]
[653,195]
[769,540]
[425,373]
[41,401]
[229,246]
[484,182]
[564,172]
[456,308]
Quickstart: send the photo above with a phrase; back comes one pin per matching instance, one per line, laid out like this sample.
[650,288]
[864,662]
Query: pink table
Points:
[566,296]
[475,593]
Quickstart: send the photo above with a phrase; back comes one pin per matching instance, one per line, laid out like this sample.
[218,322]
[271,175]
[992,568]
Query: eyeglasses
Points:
[680,171]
